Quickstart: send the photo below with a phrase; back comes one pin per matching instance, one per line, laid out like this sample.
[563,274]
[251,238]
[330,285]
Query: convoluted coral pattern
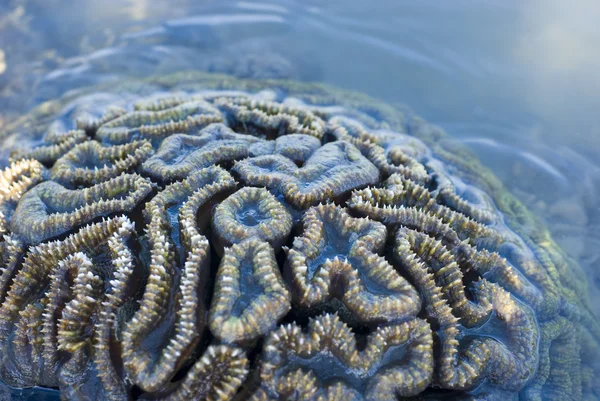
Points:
[54,147]
[157,125]
[180,154]
[338,256]
[397,360]
[91,163]
[49,209]
[331,172]
[234,240]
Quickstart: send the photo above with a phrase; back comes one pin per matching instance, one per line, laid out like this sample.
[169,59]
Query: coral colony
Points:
[206,238]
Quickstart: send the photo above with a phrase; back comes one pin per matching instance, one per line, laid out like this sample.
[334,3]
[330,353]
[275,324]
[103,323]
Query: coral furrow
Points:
[179,155]
[508,365]
[332,171]
[285,368]
[91,163]
[54,147]
[250,295]
[62,313]
[157,125]
[173,294]
[270,119]
[338,248]
[49,209]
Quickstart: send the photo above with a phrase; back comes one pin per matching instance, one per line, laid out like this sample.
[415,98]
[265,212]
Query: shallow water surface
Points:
[516,82]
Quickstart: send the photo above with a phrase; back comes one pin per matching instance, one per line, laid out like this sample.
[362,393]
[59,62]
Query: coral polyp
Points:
[329,173]
[180,154]
[91,163]
[397,360]
[510,364]
[337,255]
[55,146]
[251,213]
[270,119]
[49,209]
[227,239]
[250,295]
[157,125]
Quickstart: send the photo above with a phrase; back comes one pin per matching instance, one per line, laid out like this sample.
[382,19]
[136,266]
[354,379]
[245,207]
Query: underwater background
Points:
[516,82]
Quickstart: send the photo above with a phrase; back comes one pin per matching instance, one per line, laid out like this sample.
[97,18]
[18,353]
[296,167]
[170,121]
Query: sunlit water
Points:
[515,82]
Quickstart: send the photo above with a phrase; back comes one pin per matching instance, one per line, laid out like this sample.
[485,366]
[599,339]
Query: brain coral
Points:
[206,238]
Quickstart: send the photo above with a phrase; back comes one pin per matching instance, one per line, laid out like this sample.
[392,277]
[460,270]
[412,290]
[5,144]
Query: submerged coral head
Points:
[230,240]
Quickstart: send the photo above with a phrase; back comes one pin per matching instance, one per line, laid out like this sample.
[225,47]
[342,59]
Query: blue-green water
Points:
[515,81]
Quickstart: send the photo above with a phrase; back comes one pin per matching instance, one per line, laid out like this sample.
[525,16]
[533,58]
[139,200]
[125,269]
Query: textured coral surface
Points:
[205,238]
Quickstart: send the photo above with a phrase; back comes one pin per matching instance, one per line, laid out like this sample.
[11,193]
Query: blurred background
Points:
[515,81]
